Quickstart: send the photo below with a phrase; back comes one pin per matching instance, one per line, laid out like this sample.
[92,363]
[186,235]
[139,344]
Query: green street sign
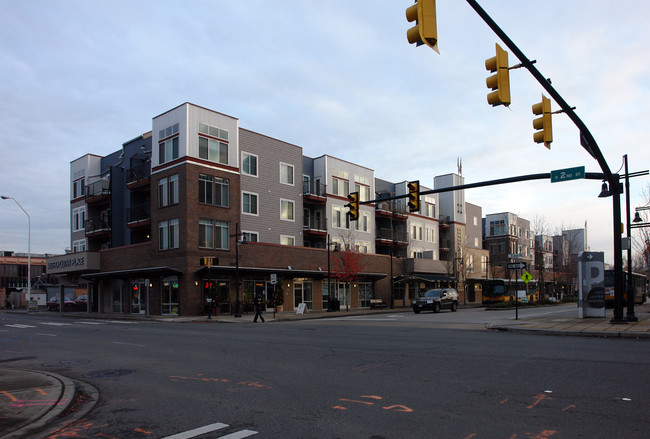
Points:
[567,174]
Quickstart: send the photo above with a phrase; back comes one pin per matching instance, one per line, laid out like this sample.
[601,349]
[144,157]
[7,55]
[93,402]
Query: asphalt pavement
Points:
[30,400]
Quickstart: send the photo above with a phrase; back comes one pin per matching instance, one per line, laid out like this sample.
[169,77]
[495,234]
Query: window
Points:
[287,240]
[79,246]
[340,219]
[363,223]
[78,188]
[168,150]
[213,131]
[416,232]
[168,191]
[214,234]
[249,164]
[78,218]
[364,191]
[249,203]
[214,190]
[287,210]
[213,150]
[168,132]
[251,236]
[286,173]
[340,187]
[168,234]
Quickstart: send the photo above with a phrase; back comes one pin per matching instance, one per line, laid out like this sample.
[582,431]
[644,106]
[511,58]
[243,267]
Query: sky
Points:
[334,77]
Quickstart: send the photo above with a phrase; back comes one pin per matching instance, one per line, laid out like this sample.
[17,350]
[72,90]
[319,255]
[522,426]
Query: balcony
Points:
[314,191]
[97,227]
[138,216]
[391,209]
[314,226]
[391,237]
[445,222]
[137,178]
[98,192]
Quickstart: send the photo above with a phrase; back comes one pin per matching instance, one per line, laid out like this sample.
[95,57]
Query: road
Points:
[400,375]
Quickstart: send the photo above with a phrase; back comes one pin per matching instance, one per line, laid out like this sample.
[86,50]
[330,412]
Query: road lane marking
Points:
[128,344]
[239,434]
[56,324]
[91,323]
[198,431]
[18,325]
[49,335]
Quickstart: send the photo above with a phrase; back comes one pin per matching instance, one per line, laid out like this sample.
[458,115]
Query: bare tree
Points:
[641,236]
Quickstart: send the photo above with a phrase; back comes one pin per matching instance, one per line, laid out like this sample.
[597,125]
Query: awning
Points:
[133,272]
[426,278]
[283,272]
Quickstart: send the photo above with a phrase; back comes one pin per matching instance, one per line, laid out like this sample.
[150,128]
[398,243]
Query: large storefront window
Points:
[170,294]
[218,290]
[139,291]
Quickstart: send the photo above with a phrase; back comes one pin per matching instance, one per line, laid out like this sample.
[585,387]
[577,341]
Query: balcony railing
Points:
[391,235]
[314,189]
[136,175]
[395,207]
[314,223]
[98,188]
[97,226]
[138,213]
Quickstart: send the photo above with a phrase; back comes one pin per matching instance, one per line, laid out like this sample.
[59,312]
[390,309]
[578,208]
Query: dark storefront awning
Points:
[283,272]
[425,277]
[133,272]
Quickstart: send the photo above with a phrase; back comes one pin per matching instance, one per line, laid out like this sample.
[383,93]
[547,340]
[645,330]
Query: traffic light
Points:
[353,205]
[500,81]
[209,261]
[414,196]
[425,31]
[543,123]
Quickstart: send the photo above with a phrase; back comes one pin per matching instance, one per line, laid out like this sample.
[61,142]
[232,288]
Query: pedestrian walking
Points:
[259,307]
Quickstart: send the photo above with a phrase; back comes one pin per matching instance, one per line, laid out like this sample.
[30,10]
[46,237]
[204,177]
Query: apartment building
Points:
[508,237]
[199,208]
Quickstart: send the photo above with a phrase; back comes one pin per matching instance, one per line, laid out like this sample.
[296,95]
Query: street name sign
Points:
[516,265]
[567,174]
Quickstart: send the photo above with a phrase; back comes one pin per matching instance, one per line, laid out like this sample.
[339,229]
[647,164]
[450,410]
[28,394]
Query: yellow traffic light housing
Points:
[544,123]
[500,81]
[414,196]
[353,205]
[425,31]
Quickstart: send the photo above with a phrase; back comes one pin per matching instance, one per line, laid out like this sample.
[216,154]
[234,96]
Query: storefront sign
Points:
[73,262]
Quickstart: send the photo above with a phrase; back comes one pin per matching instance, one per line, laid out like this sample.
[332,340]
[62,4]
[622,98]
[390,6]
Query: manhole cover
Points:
[66,363]
[109,373]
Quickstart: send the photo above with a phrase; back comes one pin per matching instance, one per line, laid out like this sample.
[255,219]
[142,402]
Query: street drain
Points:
[109,373]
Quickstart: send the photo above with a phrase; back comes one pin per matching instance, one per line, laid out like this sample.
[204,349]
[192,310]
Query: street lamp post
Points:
[237,234]
[629,285]
[29,246]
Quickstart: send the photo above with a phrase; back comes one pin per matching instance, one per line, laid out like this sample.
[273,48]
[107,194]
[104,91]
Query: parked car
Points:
[81,301]
[53,303]
[437,299]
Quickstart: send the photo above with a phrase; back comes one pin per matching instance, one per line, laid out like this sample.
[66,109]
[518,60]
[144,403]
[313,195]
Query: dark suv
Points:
[435,300]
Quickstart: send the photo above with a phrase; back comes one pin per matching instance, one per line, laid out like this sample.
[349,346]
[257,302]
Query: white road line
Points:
[198,431]
[239,434]
[92,323]
[128,344]
[17,325]
[56,324]
[121,321]
[48,335]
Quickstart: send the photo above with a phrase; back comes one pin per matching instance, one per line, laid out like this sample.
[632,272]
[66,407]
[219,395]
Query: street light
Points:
[29,246]
[237,242]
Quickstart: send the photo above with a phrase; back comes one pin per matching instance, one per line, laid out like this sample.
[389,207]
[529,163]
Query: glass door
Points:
[139,291]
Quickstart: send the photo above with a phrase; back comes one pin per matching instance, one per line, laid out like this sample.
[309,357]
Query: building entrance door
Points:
[139,291]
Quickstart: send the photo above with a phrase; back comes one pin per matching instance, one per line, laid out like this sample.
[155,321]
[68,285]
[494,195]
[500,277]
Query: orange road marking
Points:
[402,408]
[338,407]
[371,396]
[41,392]
[569,407]
[9,395]
[470,436]
[360,402]
[504,401]
[139,430]
[538,399]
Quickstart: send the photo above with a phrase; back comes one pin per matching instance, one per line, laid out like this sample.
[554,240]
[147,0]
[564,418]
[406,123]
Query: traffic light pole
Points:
[588,143]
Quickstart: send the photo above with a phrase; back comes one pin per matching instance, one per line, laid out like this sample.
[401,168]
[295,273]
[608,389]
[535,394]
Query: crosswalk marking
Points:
[198,431]
[239,434]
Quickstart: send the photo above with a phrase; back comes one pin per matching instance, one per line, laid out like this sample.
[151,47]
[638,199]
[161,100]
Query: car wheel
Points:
[436,307]
[454,307]
[417,311]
